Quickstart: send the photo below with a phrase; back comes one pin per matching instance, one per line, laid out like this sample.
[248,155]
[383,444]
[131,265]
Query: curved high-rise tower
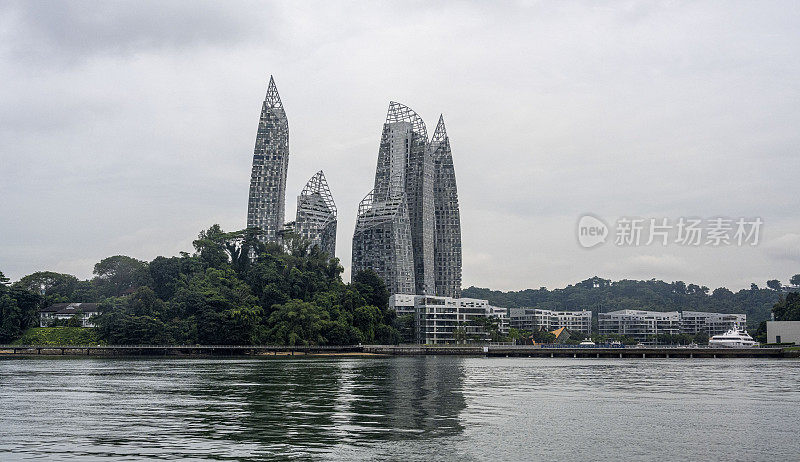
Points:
[447,240]
[405,164]
[382,241]
[415,199]
[316,214]
[265,208]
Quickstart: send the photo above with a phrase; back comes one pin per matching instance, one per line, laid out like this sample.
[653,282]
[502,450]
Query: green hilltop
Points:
[291,295]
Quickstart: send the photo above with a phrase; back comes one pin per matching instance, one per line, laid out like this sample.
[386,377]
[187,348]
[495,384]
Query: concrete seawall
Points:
[394,350]
[578,352]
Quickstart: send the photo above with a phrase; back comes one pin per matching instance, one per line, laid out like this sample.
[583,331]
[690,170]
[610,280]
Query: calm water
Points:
[399,408]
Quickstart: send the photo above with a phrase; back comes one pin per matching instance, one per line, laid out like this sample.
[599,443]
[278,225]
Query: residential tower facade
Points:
[382,241]
[414,199]
[316,214]
[267,199]
[447,218]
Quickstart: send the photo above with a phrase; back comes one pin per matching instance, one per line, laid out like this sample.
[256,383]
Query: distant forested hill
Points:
[602,295]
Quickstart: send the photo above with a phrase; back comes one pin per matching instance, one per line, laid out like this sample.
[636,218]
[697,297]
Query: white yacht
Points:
[732,339]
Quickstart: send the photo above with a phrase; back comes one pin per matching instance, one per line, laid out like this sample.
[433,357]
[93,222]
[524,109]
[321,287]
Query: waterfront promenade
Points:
[533,351]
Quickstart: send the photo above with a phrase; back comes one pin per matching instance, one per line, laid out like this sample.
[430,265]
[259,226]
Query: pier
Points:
[529,351]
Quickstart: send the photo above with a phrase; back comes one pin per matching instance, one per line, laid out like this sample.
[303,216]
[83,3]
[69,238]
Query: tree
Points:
[795,280]
[405,325]
[297,323]
[241,245]
[366,319]
[164,273]
[212,247]
[223,306]
[788,308]
[372,287]
[700,338]
[760,334]
[48,283]
[387,335]
[679,287]
[340,333]
[86,292]
[774,284]
[542,336]
[18,310]
[10,319]
[120,273]
[460,334]
[514,334]
[134,319]
[490,325]
[722,293]
[75,321]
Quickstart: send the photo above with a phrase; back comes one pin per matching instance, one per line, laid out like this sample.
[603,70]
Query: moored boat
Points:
[734,338]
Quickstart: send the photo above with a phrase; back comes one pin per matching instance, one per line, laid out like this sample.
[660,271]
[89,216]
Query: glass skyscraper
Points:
[447,233]
[316,214]
[266,204]
[403,207]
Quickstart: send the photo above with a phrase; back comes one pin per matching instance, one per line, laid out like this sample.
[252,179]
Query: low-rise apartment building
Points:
[644,325]
[638,324]
[442,320]
[693,322]
[533,319]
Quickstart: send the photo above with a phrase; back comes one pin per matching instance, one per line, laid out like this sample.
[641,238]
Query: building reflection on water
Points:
[308,405]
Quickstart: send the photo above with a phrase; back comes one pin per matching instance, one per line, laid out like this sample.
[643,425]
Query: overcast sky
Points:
[127,127]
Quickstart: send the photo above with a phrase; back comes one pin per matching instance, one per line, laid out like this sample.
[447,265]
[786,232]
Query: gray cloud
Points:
[70,32]
[128,127]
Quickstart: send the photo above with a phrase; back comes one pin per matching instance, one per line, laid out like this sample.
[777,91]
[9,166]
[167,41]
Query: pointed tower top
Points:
[440,134]
[399,112]
[273,99]
[319,185]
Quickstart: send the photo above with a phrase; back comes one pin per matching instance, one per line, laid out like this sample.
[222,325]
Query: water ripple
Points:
[409,408]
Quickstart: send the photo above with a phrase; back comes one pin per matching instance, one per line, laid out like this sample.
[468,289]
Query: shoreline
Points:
[247,351]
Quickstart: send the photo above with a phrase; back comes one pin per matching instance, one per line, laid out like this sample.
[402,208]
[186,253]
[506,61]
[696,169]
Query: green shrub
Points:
[59,336]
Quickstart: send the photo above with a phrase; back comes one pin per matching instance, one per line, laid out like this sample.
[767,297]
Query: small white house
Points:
[65,311]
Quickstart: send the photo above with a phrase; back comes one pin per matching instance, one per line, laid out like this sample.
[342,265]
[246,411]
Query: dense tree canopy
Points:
[18,309]
[232,290]
[120,274]
[56,287]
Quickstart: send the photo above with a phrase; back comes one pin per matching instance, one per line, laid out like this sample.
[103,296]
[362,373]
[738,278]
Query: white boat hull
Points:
[732,339]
